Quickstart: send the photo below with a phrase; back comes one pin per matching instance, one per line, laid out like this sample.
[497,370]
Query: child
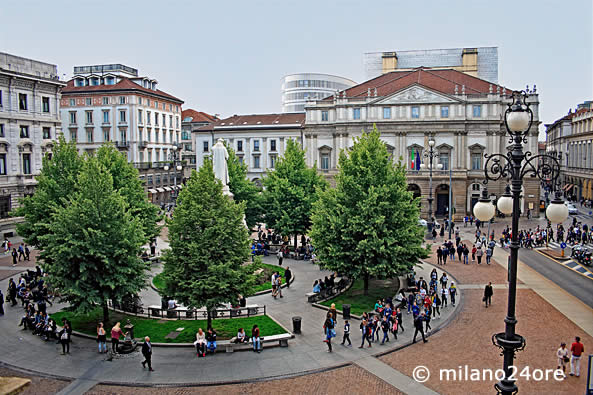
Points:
[346,333]
[394,327]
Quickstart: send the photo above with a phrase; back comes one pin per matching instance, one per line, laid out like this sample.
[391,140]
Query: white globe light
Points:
[179,167]
[484,211]
[422,166]
[431,142]
[518,121]
[505,204]
[166,167]
[557,212]
[440,166]
[174,148]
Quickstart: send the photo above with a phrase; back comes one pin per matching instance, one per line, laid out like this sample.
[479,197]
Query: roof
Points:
[567,117]
[296,119]
[440,80]
[541,145]
[198,116]
[124,85]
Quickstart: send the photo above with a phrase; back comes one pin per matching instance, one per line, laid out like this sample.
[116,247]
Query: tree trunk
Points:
[366,284]
[209,325]
[105,313]
[296,241]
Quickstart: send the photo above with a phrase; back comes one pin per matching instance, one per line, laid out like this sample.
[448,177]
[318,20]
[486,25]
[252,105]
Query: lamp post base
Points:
[508,346]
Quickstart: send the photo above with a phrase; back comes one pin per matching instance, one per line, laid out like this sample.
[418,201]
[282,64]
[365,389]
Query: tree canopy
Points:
[290,191]
[367,226]
[209,246]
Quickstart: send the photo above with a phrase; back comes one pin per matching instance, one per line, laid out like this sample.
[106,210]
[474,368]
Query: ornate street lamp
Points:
[176,164]
[516,165]
[430,155]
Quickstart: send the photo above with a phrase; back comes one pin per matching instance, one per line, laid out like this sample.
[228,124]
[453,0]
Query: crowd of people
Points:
[576,233]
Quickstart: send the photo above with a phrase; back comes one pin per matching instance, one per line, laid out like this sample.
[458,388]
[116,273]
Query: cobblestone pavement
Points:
[38,385]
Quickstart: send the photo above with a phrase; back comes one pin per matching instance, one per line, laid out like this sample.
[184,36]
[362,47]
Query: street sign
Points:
[563,245]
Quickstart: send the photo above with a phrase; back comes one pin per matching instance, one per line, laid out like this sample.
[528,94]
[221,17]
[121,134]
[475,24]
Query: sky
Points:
[228,57]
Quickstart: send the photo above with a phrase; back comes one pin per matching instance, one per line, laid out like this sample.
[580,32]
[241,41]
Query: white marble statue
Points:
[219,163]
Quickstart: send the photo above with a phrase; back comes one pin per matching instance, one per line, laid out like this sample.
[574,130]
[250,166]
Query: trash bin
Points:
[346,311]
[296,324]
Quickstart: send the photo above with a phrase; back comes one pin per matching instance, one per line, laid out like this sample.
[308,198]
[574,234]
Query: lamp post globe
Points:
[557,212]
[179,167]
[174,148]
[505,205]
[518,121]
[484,211]
[440,166]
[422,166]
[431,142]
[166,167]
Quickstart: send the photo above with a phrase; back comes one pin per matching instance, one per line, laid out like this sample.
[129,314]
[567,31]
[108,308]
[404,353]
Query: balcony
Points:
[122,144]
[142,144]
[142,165]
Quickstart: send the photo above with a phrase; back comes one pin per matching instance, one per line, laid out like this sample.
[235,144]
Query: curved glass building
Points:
[298,88]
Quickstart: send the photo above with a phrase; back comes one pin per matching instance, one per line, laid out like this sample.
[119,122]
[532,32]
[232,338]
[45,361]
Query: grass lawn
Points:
[263,282]
[359,303]
[158,329]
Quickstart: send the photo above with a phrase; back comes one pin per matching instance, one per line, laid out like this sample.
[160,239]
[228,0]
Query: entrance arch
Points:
[415,189]
[442,199]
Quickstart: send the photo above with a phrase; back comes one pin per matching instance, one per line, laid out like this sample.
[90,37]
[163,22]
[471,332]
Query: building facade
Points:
[571,139]
[461,113]
[481,62]
[192,120]
[297,89]
[29,123]
[258,140]
[111,103]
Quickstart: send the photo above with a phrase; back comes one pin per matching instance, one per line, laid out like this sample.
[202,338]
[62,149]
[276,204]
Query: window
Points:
[26,163]
[0,99]
[46,133]
[4,206]
[148,117]
[256,145]
[158,179]
[240,160]
[386,112]
[141,156]
[324,116]
[45,104]
[156,119]
[72,117]
[105,100]
[89,135]
[122,116]
[356,113]
[139,101]
[123,136]
[444,160]
[477,111]
[105,116]
[148,102]
[24,132]
[273,161]
[164,108]
[164,117]
[476,161]
[272,145]
[3,164]
[149,178]
[109,80]
[205,146]
[150,158]
[73,135]
[171,121]
[444,111]
[106,135]
[89,101]
[156,104]
[177,122]
[325,162]
[122,100]
[256,162]
[415,112]
[22,101]
[185,135]
[2,130]
[72,102]
[89,117]
[79,82]
[156,136]
[239,145]
[170,107]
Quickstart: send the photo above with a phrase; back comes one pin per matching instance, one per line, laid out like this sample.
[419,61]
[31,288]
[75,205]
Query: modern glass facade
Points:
[297,89]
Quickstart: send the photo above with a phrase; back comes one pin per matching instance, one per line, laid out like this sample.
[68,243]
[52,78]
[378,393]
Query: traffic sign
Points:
[563,245]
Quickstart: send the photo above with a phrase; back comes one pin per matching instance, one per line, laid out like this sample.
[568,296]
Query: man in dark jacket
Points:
[147,352]
[419,325]
[488,292]
[288,276]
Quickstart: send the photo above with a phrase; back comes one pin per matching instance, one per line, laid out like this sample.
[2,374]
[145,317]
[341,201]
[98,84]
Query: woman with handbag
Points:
[330,332]
[563,359]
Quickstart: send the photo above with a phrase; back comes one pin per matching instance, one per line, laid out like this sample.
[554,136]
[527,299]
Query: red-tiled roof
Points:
[541,146]
[440,80]
[124,85]
[259,120]
[198,116]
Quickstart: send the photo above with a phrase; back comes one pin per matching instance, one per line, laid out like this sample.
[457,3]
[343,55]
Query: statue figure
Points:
[219,157]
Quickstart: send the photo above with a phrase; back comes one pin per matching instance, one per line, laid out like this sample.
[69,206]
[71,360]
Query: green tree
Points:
[209,246]
[244,190]
[93,243]
[290,190]
[127,182]
[55,184]
[367,226]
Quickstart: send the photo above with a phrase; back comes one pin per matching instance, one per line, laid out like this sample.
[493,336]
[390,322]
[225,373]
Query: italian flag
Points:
[412,160]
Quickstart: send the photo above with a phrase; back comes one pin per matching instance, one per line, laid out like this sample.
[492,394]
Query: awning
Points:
[160,189]
[568,187]
[180,186]
[168,189]
[153,191]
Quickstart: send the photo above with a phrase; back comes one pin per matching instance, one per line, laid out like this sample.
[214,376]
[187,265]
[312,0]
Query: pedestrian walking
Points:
[15,256]
[330,332]
[385,329]
[64,336]
[27,253]
[453,293]
[563,359]
[577,349]
[12,291]
[101,338]
[280,256]
[22,251]
[419,326]
[444,293]
[399,317]
[346,334]
[366,333]
[147,353]
[479,254]
[287,276]
[488,292]
[488,255]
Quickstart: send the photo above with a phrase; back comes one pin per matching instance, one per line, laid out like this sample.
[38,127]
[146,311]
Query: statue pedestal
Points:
[226,191]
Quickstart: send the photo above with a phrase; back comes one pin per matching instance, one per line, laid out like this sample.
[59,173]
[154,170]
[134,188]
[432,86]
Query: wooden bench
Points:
[155,310]
[231,346]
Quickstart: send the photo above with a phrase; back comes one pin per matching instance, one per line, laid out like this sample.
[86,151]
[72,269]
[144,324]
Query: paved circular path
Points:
[178,366]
